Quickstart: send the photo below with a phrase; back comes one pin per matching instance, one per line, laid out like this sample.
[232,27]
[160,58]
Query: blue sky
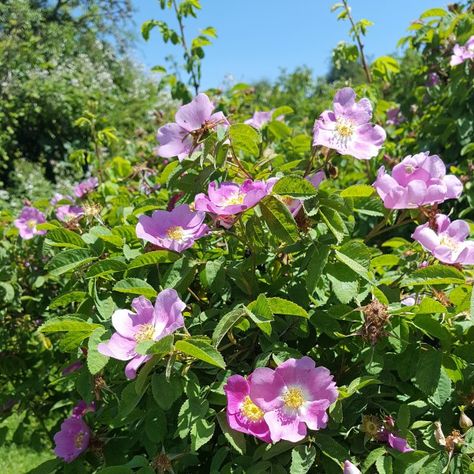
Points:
[256,38]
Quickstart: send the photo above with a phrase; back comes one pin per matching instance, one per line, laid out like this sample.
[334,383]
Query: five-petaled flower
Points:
[27,222]
[295,396]
[147,323]
[73,439]
[347,129]
[448,241]
[193,121]
[174,230]
[418,180]
[242,413]
[462,53]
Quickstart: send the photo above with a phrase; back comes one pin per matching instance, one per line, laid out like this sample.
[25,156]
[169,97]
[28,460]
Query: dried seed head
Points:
[162,463]
[376,317]
[454,440]
[371,425]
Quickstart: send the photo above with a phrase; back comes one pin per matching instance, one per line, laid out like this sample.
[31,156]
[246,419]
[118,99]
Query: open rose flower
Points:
[27,221]
[85,187]
[350,468]
[347,129]
[418,180]
[448,242]
[462,53]
[228,199]
[295,396]
[261,118]
[294,205]
[173,230]
[73,439]
[192,120]
[66,213]
[147,323]
[242,413]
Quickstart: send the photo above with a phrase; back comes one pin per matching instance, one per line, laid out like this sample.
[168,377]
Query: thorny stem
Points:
[378,229]
[187,54]
[359,42]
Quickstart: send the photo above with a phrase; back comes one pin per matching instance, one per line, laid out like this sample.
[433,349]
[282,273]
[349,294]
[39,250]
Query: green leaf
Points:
[166,392]
[95,360]
[106,267]
[358,190]
[428,371]
[235,438]
[68,298]
[68,324]
[260,313]
[431,326]
[331,448]
[354,266]
[153,258]
[279,219]
[295,187]
[129,399]
[434,275]
[433,12]
[245,138]
[334,222]
[147,26]
[316,265]
[226,323]
[161,348]
[201,350]
[180,274]
[135,286]
[302,458]
[65,238]
[278,129]
[283,306]
[201,433]
[372,458]
[69,260]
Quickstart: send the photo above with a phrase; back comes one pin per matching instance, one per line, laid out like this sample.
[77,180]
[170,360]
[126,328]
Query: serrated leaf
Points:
[161,348]
[201,433]
[65,238]
[244,138]
[95,360]
[135,286]
[428,371]
[166,392]
[235,438]
[295,187]
[69,260]
[153,258]
[201,350]
[106,267]
[226,323]
[434,275]
[68,298]
[316,267]
[302,458]
[279,219]
[358,190]
[282,306]
[68,324]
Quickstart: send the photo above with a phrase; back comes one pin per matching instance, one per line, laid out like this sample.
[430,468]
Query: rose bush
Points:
[257,293]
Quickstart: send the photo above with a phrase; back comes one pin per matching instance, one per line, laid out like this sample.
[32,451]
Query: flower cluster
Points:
[74,436]
[282,403]
[418,180]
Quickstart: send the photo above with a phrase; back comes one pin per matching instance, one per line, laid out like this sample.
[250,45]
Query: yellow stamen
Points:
[234,200]
[79,440]
[145,333]
[175,233]
[448,242]
[293,398]
[251,411]
[31,224]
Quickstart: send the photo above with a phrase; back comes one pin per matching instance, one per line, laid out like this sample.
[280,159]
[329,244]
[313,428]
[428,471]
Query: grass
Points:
[21,459]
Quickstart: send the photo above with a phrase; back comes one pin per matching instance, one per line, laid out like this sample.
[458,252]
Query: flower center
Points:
[145,332]
[234,200]
[345,128]
[79,440]
[251,411]
[448,242]
[175,233]
[293,398]
[31,224]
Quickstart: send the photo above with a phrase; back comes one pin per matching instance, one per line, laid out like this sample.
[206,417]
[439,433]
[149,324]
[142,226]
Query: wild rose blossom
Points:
[347,129]
[192,120]
[66,213]
[261,118]
[295,396]
[242,413]
[294,205]
[395,116]
[147,323]
[386,435]
[229,199]
[448,242]
[419,180]
[73,439]
[85,187]
[175,230]
[462,53]
[350,468]
[27,222]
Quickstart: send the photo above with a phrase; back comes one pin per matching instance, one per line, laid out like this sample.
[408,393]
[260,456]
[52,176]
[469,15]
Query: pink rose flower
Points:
[418,180]
[73,439]
[295,396]
[462,53]
[179,138]
[448,242]
[349,468]
[147,323]
[175,230]
[85,187]
[242,413]
[66,213]
[347,129]
[27,221]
